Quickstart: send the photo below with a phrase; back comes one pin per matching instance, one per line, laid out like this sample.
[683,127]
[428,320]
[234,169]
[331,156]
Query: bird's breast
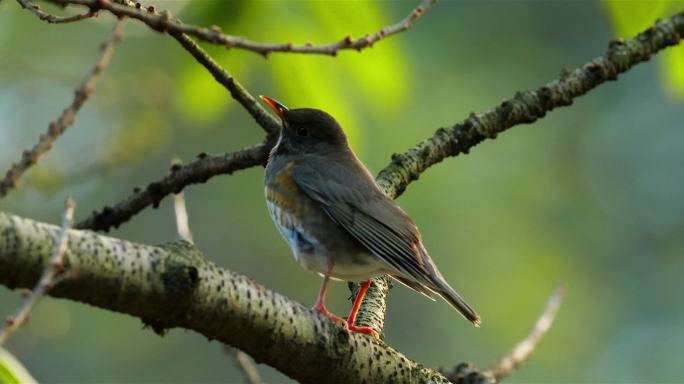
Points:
[288,208]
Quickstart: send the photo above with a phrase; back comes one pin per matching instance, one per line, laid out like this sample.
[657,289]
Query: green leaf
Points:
[12,371]
[673,69]
[376,78]
[631,17]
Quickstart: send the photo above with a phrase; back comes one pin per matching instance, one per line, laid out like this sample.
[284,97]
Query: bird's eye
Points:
[301,131]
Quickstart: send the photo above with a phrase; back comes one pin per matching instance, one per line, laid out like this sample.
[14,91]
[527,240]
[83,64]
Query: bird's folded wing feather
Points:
[372,218]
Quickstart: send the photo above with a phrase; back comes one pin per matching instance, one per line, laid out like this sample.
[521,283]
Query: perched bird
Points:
[337,220]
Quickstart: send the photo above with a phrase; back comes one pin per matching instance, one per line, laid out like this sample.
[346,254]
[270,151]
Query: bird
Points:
[337,220]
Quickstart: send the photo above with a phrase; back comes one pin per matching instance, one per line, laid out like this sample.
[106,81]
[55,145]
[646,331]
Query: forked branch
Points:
[198,171]
[54,19]
[526,347]
[523,108]
[165,22]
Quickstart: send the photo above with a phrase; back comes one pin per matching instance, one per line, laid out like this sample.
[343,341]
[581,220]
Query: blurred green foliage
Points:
[590,195]
[378,76]
[12,371]
[632,17]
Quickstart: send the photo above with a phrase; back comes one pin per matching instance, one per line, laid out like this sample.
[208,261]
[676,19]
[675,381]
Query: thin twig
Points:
[242,360]
[266,120]
[180,211]
[523,108]
[57,127]
[244,363]
[52,275]
[54,19]
[509,363]
[164,22]
[198,171]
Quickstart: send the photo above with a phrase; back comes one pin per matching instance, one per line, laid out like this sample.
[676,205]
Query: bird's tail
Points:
[442,288]
[456,301]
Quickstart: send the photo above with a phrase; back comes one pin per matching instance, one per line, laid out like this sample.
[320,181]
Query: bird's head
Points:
[306,129]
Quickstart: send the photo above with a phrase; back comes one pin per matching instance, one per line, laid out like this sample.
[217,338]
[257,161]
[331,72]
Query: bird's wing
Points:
[372,218]
[349,195]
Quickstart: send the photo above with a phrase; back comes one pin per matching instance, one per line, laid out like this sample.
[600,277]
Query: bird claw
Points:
[330,315]
[347,324]
[366,330]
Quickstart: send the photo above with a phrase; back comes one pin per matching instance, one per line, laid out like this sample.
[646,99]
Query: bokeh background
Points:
[590,195]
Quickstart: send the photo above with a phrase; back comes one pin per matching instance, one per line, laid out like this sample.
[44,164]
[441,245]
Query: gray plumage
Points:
[342,213]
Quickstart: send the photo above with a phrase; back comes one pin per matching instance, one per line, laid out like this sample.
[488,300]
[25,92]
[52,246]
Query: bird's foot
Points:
[366,330]
[323,311]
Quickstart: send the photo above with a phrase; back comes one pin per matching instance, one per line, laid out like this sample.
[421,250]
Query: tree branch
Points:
[175,286]
[57,127]
[525,348]
[196,172]
[53,19]
[269,123]
[51,275]
[523,108]
[466,373]
[527,107]
[182,284]
[266,120]
[180,210]
[244,363]
[373,307]
[164,22]
[241,359]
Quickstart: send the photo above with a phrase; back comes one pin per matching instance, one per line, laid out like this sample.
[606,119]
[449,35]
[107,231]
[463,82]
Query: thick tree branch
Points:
[53,19]
[164,22]
[175,286]
[242,360]
[196,172]
[181,282]
[57,127]
[52,273]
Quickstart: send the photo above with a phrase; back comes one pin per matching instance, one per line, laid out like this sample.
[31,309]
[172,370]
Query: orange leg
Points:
[355,310]
[320,303]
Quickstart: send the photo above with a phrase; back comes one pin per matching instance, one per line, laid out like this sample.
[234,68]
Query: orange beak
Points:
[278,108]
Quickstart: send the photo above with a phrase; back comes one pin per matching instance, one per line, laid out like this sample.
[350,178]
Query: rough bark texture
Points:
[527,107]
[180,176]
[173,285]
[373,308]
[163,21]
[523,108]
